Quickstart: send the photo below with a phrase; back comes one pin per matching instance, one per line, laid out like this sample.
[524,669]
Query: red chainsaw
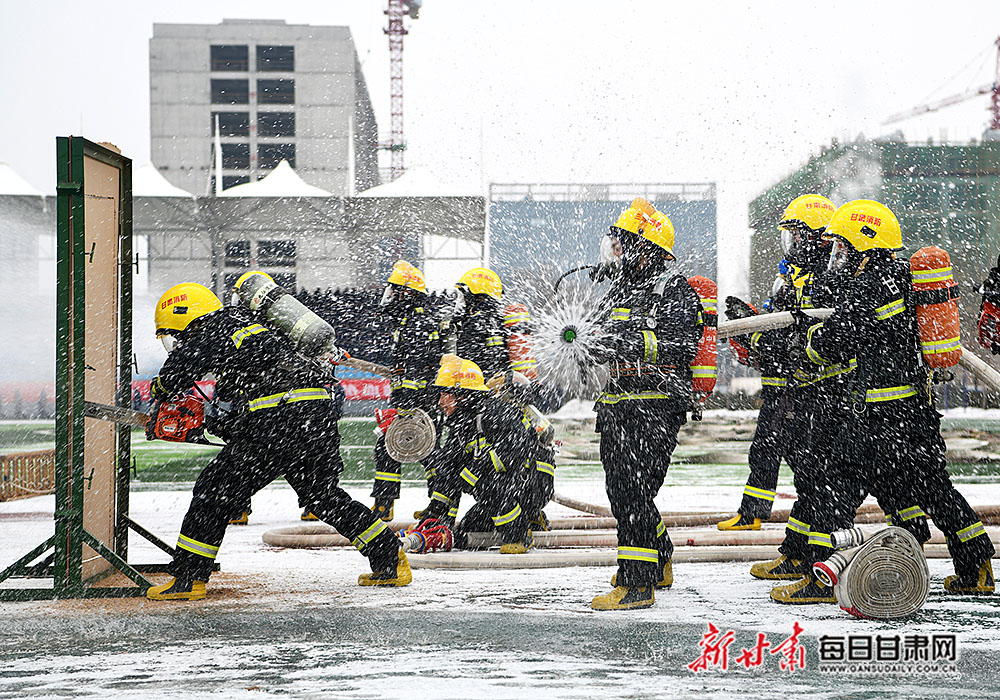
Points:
[178,420]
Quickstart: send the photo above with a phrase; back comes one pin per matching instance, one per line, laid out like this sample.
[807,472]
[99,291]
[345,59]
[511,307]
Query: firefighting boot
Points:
[807,591]
[622,598]
[740,522]
[383,508]
[541,523]
[242,519]
[666,577]
[398,575]
[981,582]
[178,589]
[780,568]
[521,547]
[308,515]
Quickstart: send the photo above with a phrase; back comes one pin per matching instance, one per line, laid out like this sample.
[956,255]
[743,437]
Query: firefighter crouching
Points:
[283,423]
[650,332]
[414,356]
[487,454]
[891,444]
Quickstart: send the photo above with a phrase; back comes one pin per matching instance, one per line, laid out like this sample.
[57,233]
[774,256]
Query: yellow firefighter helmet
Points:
[182,304]
[456,373]
[643,219]
[406,275]
[481,280]
[865,225]
[813,211]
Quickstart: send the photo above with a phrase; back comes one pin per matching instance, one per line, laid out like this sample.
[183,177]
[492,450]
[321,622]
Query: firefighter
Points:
[478,322]
[283,423]
[414,356]
[487,454]
[650,327]
[890,444]
[779,425]
[476,332]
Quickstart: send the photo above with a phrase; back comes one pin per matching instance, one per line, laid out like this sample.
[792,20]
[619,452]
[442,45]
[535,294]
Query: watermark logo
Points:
[889,654]
[859,654]
[715,645]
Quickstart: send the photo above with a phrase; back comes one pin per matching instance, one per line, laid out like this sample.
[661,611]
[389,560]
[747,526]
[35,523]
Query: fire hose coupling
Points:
[880,575]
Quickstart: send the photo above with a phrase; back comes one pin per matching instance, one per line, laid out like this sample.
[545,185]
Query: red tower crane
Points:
[993,88]
[396,145]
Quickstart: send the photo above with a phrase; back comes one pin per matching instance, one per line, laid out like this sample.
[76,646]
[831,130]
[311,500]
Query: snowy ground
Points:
[290,622]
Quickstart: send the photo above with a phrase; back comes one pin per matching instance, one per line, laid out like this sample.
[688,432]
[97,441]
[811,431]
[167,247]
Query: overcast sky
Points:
[738,93]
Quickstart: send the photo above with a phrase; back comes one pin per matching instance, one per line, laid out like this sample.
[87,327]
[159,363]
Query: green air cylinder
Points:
[311,335]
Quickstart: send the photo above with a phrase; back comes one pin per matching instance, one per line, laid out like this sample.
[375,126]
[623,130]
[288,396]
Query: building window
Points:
[270,154]
[276,253]
[270,58]
[275,92]
[233,180]
[276,124]
[230,92]
[230,58]
[285,280]
[237,254]
[236,156]
[232,123]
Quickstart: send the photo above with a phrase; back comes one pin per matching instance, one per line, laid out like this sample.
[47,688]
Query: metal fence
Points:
[27,474]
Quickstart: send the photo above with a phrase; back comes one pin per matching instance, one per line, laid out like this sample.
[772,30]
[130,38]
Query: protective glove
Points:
[157,391]
[737,308]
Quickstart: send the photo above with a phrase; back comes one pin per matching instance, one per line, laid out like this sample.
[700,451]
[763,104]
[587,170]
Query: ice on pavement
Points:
[294,622]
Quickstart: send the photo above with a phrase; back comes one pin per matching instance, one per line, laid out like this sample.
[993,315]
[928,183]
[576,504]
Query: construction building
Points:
[276,91]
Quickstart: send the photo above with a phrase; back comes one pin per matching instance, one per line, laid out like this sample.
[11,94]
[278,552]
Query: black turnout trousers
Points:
[299,441]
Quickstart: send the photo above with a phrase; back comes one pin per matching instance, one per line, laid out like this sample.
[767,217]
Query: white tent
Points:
[12,183]
[148,182]
[419,182]
[280,182]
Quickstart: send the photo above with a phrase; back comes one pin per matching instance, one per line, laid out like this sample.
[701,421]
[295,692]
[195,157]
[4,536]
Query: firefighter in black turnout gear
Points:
[489,454]
[783,420]
[283,423]
[414,355]
[891,444]
[475,333]
[650,331]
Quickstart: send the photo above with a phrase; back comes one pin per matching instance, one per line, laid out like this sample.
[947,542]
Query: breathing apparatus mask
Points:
[170,342]
[803,246]
[462,305]
[840,256]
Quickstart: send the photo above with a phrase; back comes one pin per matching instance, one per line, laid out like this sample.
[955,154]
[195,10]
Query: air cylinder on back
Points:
[311,335]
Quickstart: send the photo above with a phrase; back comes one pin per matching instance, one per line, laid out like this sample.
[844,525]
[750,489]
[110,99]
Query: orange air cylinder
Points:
[704,368]
[935,296]
[516,322]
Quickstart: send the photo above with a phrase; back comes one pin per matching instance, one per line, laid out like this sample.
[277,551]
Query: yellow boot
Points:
[666,577]
[807,591]
[242,519]
[780,568]
[622,598]
[521,547]
[400,576]
[740,522]
[982,583]
[177,590]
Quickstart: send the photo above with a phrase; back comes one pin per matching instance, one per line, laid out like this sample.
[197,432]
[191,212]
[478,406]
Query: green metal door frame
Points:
[66,570]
